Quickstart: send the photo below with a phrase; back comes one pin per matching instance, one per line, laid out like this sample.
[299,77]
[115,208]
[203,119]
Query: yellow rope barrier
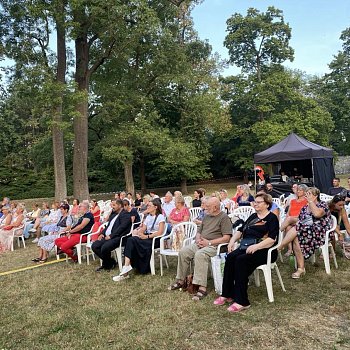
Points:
[31,267]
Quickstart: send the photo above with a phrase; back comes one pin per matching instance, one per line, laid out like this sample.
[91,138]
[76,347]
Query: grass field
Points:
[70,306]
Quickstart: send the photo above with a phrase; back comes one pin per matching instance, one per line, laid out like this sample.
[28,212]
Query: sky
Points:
[316,28]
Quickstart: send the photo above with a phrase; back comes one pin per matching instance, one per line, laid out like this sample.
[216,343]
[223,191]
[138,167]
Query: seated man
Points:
[168,204]
[216,228]
[336,189]
[271,191]
[72,236]
[119,224]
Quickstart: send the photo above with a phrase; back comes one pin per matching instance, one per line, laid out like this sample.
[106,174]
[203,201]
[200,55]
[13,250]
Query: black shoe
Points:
[99,269]
[36,259]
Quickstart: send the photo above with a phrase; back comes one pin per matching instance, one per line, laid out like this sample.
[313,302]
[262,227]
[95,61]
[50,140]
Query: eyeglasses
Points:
[258,202]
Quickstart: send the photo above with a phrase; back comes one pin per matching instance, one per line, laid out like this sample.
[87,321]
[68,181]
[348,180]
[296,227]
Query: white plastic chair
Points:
[119,250]
[243,212]
[155,250]
[194,212]
[277,201]
[188,201]
[190,231]
[325,249]
[266,268]
[325,197]
[16,234]
[88,244]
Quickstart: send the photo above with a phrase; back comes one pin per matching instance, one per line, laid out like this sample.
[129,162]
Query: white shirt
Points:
[168,207]
[110,226]
[150,220]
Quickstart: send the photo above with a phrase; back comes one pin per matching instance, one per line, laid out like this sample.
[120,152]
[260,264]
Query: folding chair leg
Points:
[166,261]
[280,256]
[153,270]
[87,255]
[118,252]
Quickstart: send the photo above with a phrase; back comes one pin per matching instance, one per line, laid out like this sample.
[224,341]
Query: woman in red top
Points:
[180,213]
[95,210]
[293,212]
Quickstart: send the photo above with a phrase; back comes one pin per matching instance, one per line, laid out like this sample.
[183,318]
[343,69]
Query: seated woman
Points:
[47,243]
[259,233]
[134,215]
[336,206]
[43,217]
[6,233]
[180,213]
[245,199]
[75,209]
[144,205]
[52,219]
[138,201]
[293,213]
[198,220]
[138,247]
[274,208]
[309,233]
[197,194]
[95,210]
[6,217]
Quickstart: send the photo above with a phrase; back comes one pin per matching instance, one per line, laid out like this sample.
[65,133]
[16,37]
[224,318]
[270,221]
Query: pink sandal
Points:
[222,301]
[235,308]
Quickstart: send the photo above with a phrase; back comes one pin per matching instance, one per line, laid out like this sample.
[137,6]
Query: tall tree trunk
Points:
[57,133]
[80,155]
[143,175]
[184,186]
[129,179]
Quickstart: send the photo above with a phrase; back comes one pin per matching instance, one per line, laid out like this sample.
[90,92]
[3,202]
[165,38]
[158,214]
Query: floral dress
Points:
[312,230]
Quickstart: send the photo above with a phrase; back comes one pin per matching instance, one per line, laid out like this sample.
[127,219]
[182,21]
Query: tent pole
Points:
[313,176]
[254,179]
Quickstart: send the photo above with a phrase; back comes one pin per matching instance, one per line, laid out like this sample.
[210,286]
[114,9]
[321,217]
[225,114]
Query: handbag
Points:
[246,242]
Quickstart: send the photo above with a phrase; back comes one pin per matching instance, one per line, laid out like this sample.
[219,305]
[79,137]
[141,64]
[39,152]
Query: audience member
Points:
[138,200]
[197,198]
[66,243]
[216,228]
[336,206]
[259,233]
[336,189]
[180,213]
[138,247]
[168,204]
[95,210]
[47,243]
[271,191]
[310,231]
[245,199]
[119,224]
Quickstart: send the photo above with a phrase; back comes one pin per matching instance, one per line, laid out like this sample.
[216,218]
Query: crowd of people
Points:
[301,215]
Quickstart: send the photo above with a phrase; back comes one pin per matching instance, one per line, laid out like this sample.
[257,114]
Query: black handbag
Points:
[246,242]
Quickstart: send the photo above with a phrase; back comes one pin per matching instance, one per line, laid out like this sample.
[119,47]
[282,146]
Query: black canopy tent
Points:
[296,149]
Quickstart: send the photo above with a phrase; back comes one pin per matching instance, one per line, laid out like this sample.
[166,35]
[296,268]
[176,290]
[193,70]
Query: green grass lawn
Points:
[70,306]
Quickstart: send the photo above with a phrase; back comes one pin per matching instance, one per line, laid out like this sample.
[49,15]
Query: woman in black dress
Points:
[260,232]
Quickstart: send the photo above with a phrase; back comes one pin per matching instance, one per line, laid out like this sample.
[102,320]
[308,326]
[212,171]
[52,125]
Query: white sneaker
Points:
[125,270]
[119,278]
[35,240]
[33,230]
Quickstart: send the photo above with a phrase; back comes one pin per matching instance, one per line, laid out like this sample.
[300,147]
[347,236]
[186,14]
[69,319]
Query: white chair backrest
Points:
[334,223]
[277,201]
[325,197]
[244,212]
[188,201]
[194,212]
[141,215]
[189,229]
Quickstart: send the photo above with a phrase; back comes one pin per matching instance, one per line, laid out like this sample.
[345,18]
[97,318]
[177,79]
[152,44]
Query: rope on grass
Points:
[31,267]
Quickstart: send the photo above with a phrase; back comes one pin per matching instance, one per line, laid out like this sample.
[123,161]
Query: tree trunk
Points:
[143,175]
[245,177]
[184,186]
[129,179]
[57,133]
[80,155]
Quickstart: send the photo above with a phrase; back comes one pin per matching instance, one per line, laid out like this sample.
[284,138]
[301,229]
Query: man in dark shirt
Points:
[72,236]
[336,189]
[271,191]
[119,224]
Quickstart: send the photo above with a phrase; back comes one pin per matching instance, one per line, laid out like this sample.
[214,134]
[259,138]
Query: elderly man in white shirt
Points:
[168,204]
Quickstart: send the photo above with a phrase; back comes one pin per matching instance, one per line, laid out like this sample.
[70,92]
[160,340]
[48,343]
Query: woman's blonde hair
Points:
[315,191]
